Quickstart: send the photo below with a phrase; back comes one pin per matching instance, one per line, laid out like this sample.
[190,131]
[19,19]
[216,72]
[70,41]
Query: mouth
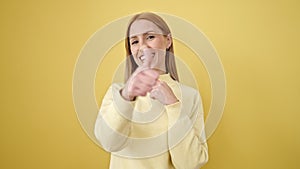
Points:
[143,57]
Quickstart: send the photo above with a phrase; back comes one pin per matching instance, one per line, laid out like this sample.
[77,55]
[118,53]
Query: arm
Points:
[186,136]
[112,128]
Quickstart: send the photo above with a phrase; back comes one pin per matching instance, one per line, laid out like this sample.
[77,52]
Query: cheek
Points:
[159,44]
[134,54]
[133,51]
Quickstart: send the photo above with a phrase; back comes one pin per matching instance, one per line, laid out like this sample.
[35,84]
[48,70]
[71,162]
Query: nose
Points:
[143,46]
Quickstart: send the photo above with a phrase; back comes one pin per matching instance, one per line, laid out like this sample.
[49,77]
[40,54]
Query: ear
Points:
[169,40]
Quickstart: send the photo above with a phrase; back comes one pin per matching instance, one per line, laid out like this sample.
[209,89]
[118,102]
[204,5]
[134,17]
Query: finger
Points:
[141,85]
[145,79]
[147,62]
[151,73]
[157,84]
[144,87]
[139,70]
[140,93]
[153,94]
[148,57]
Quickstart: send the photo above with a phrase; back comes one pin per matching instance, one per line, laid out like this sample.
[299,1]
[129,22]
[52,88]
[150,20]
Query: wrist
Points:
[126,96]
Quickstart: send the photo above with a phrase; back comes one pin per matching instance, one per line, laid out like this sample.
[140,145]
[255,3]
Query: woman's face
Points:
[148,44]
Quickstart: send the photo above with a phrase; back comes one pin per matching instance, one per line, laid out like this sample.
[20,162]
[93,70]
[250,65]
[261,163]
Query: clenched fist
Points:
[139,83]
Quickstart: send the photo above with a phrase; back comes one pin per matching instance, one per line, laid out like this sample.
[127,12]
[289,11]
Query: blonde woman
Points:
[151,121]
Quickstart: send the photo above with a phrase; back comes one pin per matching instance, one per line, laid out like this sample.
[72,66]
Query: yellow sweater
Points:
[144,134]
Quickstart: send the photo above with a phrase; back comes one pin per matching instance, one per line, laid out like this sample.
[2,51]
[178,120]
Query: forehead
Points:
[142,26]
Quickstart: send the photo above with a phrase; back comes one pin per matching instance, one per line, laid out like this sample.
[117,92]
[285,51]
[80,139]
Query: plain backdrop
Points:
[258,44]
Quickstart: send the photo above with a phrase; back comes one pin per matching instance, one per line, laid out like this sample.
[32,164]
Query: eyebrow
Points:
[144,34]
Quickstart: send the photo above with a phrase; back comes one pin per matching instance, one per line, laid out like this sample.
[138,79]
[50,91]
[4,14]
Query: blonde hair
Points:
[170,59]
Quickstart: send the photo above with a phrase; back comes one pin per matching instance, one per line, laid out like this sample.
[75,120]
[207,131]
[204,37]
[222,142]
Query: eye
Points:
[134,42]
[150,37]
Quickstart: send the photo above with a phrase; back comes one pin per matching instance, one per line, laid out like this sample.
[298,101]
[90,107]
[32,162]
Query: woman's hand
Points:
[139,83]
[163,93]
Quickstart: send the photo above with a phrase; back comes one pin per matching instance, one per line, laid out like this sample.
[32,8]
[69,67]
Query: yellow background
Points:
[258,43]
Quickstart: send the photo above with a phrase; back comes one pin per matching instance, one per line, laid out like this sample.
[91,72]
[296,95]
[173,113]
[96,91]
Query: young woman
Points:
[151,121]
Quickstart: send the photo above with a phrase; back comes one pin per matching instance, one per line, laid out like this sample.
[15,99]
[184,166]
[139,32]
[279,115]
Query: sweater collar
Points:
[166,78]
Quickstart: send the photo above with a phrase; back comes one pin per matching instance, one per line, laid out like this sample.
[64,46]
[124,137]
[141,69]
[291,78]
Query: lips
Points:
[144,57]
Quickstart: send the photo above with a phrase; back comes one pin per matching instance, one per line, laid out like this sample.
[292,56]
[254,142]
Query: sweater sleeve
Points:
[113,124]
[186,136]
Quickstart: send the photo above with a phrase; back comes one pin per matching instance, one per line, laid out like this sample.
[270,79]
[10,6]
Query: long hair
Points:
[170,59]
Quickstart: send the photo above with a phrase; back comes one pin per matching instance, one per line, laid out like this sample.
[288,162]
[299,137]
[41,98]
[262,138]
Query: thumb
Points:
[147,62]
[147,58]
